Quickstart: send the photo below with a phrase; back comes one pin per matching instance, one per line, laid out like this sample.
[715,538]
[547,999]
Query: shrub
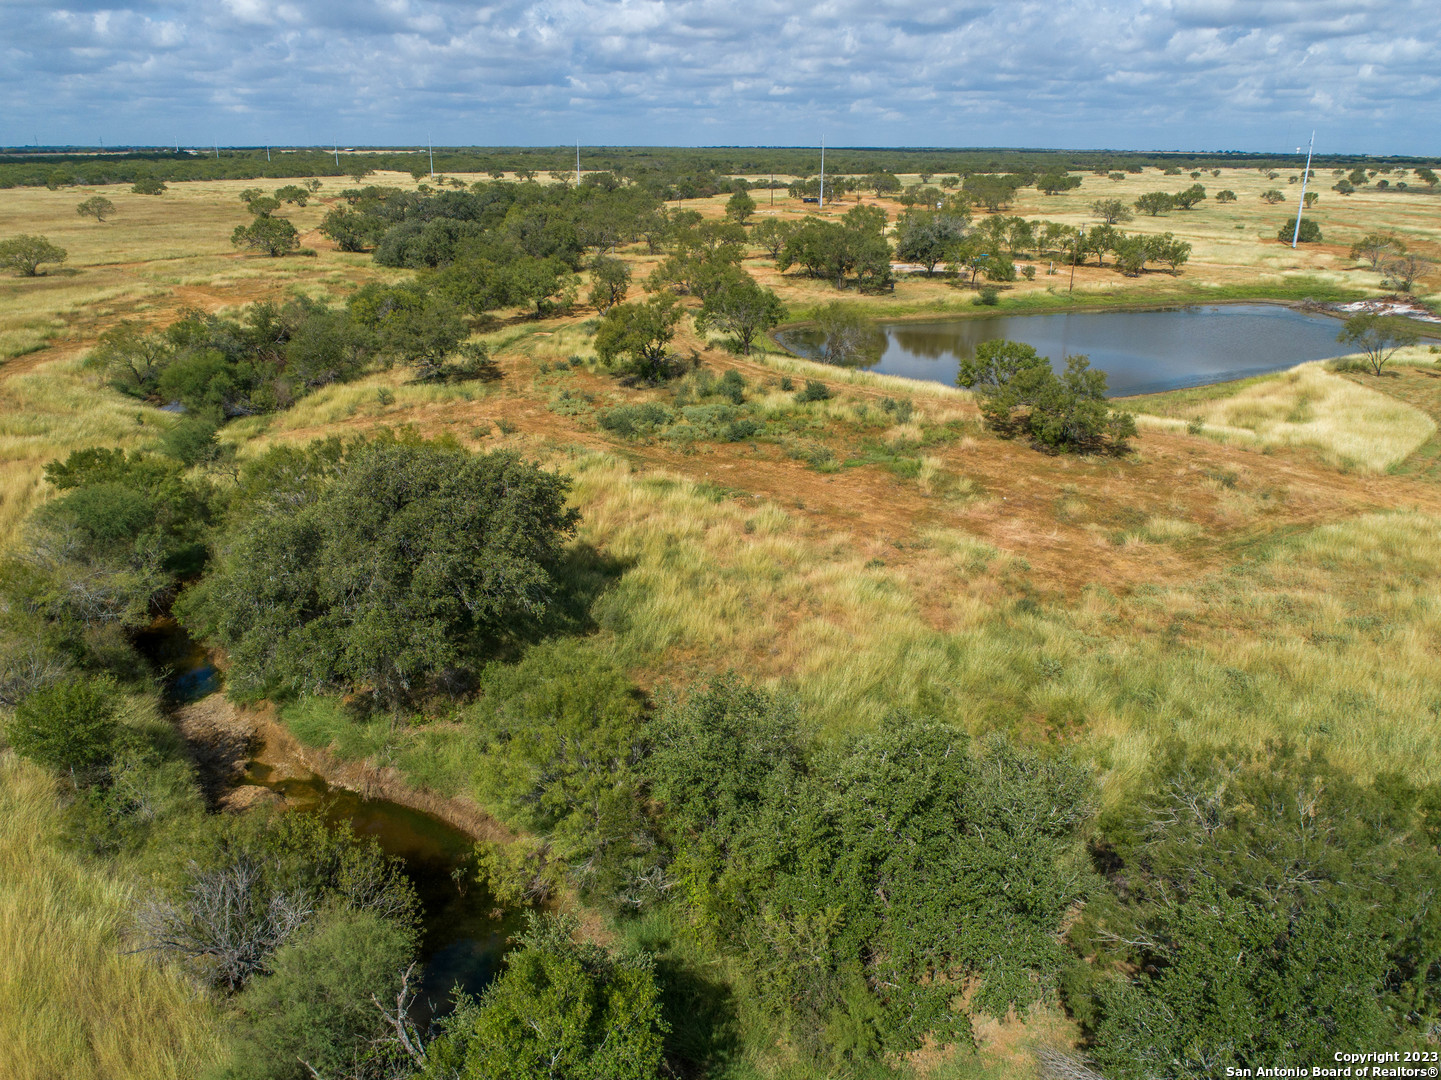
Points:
[148,185]
[633,421]
[558,1009]
[1310,231]
[314,1014]
[988,297]
[814,390]
[68,727]
[1020,393]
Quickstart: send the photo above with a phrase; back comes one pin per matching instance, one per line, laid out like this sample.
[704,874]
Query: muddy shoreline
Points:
[225,740]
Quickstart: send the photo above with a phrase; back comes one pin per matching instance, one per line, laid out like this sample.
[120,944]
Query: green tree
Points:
[415,559]
[1376,248]
[743,308]
[148,185]
[739,207]
[559,1009]
[610,281]
[68,727]
[25,253]
[350,229]
[771,234]
[1020,394]
[1190,197]
[1309,233]
[637,335]
[274,236]
[315,1013]
[1156,202]
[1111,211]
[97,206]
[929,238]
[293,193]
[1427,177]
[1225,195]
[1377,337]
[1271,196]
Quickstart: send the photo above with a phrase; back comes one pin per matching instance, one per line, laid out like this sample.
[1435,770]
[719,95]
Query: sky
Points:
[1147,74]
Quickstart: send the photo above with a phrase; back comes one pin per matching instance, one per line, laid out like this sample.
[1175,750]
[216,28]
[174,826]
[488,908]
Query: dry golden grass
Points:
[73,1003]
[1352,425]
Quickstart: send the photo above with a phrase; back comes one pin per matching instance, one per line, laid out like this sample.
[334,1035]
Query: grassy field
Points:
[1261,567]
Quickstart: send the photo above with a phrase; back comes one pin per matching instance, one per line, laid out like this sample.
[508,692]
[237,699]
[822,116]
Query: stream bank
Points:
[245,758]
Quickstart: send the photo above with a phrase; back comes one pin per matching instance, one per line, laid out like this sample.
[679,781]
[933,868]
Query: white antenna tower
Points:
[430,145]
[267,155]
[1305,177]
[577,163]
[823,173]
[335,148]
[217,151]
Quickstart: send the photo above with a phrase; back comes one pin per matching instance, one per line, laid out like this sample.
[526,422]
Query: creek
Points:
[463,930]
[1141,352]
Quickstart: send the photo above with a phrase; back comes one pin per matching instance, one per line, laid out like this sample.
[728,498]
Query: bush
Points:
[314,1011]
[844,880]
[814,390]
[68,727]
[1310,231]
[558,1009]
[988,297]
[1020,393]
[148,185]
[634,421]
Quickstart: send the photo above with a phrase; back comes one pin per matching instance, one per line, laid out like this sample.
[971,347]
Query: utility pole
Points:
[335,149]
[823,174]
[1305,177]
[267,155]
[217,151]
[1075,250]
[430,145]
[577,164]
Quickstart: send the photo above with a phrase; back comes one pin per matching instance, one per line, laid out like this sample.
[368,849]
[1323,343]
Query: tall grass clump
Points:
[73,1002]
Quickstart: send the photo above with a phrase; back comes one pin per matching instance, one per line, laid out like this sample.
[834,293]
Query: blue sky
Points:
[1149,74]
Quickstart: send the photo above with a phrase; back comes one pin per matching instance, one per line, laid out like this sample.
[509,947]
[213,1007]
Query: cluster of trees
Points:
[1388,254]
[1160,202]
[1020,394]
[269,232]
[218,368]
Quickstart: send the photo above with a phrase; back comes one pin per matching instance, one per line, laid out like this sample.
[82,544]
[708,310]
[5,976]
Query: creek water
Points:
[1141,352]
[463,930]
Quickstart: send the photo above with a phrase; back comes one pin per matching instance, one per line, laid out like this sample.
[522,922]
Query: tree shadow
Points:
[701,1015]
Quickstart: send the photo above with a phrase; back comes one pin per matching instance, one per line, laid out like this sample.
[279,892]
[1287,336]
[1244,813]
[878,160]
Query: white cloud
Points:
[1161,73]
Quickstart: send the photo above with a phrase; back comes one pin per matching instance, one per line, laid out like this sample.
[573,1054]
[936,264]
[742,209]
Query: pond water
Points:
[1141,352]
[463,930]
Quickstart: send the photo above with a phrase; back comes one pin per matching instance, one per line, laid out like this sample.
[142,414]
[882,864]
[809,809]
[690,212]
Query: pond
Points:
[463,930]
[1141,352]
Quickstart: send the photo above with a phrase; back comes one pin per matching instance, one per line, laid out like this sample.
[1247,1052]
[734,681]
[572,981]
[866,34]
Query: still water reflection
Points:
[1141,352]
